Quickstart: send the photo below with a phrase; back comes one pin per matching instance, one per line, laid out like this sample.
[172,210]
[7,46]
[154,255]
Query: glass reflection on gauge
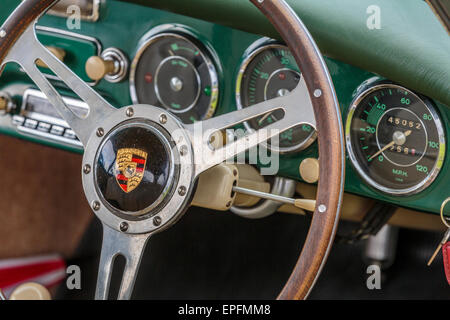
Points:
[395,139]
[267,72]
[174,71]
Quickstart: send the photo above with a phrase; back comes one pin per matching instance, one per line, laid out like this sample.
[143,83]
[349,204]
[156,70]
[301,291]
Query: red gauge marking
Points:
[148,77]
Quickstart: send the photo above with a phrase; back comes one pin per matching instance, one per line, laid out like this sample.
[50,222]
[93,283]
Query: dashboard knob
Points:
[309,170]
[111,65]
[30,291]
[3,104]
[57,52]
[6,103]
[97,68]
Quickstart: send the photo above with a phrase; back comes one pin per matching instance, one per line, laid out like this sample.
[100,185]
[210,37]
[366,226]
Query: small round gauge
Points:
[174,71]
[270,71]
[395,139]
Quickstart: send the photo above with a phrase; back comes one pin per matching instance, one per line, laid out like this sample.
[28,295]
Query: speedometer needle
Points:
[390,144]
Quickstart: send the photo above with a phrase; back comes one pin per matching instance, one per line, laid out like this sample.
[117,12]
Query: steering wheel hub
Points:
[134,168]
[140,162]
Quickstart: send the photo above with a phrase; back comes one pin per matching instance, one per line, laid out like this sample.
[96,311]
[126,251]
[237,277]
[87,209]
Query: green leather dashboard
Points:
[415,55]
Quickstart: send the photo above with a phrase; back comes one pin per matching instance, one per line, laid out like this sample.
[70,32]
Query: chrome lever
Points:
[305,204]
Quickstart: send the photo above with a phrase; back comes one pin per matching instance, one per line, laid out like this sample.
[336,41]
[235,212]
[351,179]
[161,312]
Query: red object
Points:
[138,160]
[148,78]
[446,255]
[46,270]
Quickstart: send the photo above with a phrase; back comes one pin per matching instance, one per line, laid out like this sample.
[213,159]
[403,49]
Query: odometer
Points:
[395,139]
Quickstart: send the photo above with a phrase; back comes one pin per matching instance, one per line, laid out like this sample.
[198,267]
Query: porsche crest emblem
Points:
[130,166]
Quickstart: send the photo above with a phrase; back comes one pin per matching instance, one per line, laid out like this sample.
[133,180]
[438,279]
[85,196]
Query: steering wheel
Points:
[141,164]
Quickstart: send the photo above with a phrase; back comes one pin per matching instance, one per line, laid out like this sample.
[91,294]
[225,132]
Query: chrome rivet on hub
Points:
[182,190]
[157,221]
[123,226]
[322,208]
[96,205]
[183,150]
[100,132]
[129,112]
[163,118]
[2,33]
[317,93]
[87,169]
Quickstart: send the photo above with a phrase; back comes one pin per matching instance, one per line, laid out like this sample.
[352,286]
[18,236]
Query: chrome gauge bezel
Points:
[425,183]
[252,51]
[206,52]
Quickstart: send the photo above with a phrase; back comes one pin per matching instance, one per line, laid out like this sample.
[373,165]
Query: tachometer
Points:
[395,139]
[267,72]
[173,70]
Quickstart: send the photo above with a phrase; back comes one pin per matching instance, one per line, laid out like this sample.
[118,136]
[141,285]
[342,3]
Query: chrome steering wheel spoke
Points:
[131,247]
[27,51]
[297,107]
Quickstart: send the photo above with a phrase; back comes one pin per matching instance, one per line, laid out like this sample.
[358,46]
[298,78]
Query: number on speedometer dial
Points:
[395,139]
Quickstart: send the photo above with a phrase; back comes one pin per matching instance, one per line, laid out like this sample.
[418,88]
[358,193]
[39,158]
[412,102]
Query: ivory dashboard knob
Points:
[3,104]
[309,170]
[30,291]
[59,53]
[6,103]
[111,65]
[97,68]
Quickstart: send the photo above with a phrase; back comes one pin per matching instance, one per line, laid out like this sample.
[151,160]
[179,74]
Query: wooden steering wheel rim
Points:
[329,129]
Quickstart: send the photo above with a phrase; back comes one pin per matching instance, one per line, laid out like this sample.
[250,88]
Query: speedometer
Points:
[395,139]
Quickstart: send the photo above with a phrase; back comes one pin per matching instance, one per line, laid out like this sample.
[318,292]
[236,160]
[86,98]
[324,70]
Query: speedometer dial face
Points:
[268,72]
[395,139]
[174,71]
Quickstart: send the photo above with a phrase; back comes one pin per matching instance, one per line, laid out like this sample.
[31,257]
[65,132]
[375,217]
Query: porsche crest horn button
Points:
[134,168]
[130,164]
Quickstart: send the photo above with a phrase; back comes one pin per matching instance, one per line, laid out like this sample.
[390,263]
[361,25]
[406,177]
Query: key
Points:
[443,241]
[446,234]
